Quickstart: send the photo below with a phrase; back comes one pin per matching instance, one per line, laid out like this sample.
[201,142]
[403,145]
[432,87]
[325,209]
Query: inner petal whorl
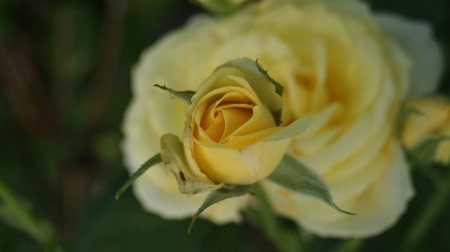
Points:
[222,119]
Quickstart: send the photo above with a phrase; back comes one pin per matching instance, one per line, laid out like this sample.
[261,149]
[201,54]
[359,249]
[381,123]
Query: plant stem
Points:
[426,217]
[283,238]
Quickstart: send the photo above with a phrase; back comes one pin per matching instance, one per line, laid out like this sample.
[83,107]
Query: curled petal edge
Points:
[172,156]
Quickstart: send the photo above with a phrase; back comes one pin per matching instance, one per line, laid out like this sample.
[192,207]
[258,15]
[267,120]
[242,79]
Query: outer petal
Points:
[417,40]
[240,167]
[377,208]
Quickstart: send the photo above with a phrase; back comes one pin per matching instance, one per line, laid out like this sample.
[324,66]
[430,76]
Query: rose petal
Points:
[416,38]
[377,209]
[239,167]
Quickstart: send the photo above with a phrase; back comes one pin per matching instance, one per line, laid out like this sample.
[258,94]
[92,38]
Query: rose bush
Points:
[339,64]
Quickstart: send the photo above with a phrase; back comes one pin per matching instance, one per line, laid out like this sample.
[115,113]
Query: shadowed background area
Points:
[64,86]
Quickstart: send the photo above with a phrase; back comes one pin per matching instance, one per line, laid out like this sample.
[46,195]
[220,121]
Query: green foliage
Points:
[185,96]
[278,90]
[15,214]
[156,159]
[295,176]
[219,195]
[403,115]
[425,152]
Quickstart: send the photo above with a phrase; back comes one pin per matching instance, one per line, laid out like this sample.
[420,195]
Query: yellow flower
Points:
[338,64]
[231,136]
[433,120]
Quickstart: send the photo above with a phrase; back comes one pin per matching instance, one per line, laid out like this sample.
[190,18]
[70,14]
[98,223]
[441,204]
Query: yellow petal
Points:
[240,167]
[264,90]
[261,119]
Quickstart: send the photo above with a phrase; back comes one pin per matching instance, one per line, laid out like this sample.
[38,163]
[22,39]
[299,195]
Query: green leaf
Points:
[278,89]
[182,95]
[219,195]
[151,162]
[295,176]
[425,152]
[403,115]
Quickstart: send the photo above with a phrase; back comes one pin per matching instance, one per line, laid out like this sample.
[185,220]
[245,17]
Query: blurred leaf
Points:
[403,115]
[425,152]
[15,241]
[16,215]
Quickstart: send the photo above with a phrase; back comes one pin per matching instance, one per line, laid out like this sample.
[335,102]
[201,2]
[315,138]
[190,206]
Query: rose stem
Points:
[283,239]
[426,217]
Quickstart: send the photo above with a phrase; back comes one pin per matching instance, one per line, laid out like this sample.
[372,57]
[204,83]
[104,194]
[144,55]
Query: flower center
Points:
[222,119]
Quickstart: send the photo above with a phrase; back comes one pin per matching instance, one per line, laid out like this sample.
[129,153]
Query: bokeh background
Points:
[64,86]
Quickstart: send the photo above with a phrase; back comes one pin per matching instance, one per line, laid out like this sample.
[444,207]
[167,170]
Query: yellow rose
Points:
[434,120]
[338,64]
[231,136]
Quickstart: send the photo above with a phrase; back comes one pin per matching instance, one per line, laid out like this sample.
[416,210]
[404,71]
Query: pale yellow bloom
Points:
[433,120]
[339,65]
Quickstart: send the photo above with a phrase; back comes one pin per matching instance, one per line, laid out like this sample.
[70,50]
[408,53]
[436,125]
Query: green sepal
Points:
[403,115]
[293,175]
[425,152]
[278,89]
[219,195]
[182,95]
[156,159]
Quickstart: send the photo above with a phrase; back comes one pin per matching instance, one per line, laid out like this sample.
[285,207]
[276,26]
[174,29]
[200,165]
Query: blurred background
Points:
[64,86]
